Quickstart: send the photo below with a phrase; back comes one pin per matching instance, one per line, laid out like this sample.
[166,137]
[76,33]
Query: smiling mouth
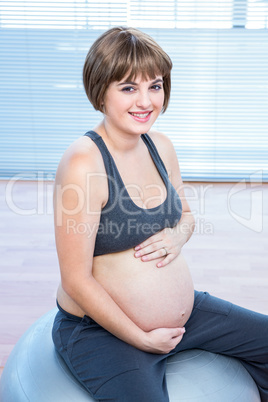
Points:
[140,115]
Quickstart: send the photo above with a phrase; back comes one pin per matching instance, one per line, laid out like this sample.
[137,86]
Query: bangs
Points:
[135,58]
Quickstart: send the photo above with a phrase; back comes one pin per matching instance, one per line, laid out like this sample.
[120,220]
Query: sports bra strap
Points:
[107,157]
[154,152]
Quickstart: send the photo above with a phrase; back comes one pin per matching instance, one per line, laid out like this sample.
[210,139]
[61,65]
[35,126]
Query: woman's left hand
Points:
[166,244]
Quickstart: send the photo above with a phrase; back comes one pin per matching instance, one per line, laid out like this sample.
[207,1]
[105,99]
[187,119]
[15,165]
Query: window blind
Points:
[217,117]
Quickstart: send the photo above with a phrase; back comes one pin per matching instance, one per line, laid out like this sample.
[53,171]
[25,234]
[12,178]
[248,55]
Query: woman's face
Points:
[132,107]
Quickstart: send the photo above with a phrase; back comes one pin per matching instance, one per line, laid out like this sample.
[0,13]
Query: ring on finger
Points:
[164,248]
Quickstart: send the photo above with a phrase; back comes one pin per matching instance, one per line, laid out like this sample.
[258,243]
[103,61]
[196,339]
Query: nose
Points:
[143,100]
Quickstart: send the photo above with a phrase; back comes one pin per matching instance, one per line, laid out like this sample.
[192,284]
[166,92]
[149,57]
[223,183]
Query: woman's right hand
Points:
[163,340]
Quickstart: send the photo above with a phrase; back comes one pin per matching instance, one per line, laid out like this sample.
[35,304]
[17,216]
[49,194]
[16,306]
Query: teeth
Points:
[140,115]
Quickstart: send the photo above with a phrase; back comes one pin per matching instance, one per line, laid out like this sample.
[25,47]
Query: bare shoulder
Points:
[160,138]
[82,171]
[80,158]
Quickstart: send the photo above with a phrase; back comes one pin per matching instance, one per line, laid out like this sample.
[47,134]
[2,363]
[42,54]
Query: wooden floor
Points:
[227,255]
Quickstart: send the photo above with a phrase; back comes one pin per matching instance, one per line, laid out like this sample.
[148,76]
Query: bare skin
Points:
[142,295]
[151,297]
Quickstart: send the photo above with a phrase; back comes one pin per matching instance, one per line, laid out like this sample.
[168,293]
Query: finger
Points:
[178,340]
[165,261]
[177,332]
[149,249]
[154,255]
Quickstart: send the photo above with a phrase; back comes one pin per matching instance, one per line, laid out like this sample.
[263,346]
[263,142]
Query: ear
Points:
[102,107]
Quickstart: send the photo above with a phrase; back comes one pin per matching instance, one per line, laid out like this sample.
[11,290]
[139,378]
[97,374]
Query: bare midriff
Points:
[151,297]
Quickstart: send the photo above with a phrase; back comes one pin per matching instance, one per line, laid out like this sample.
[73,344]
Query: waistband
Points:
[69,315]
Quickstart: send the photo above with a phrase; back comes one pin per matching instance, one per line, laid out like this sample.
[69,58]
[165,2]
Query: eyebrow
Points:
[135,83]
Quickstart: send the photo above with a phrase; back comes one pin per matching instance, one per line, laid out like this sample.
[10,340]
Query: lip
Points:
[147,115]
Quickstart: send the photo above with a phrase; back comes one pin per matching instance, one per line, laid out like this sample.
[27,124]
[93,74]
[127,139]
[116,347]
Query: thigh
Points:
[219,326]
[110,369]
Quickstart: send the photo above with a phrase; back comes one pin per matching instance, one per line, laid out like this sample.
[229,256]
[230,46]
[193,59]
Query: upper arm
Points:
[168,155]
[79,194]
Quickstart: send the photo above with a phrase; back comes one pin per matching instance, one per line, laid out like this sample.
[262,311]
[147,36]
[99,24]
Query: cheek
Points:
[116,110]
[160,102]
[159,99]
[118,105]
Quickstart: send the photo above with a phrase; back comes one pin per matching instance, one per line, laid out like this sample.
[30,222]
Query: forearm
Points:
[93,299]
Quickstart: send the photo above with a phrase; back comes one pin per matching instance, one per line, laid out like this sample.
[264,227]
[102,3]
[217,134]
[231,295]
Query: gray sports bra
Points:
[124,225]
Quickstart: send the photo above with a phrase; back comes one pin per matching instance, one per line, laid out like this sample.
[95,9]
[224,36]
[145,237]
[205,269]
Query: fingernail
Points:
[137,254]
[137,248]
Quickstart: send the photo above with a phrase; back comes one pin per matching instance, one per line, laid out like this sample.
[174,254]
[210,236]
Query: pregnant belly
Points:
[152,297]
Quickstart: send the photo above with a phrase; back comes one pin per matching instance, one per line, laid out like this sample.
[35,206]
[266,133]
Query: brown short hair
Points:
[123,52]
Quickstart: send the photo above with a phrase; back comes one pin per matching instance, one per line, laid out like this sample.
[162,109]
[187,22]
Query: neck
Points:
[118,141]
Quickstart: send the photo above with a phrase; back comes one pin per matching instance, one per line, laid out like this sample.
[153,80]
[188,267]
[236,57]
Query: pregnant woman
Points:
[126,299]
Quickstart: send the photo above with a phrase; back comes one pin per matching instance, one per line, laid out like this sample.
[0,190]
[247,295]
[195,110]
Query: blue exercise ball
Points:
[35,372]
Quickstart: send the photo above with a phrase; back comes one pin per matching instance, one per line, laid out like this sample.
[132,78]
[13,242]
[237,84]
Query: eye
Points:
[156,87]
[128,89]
